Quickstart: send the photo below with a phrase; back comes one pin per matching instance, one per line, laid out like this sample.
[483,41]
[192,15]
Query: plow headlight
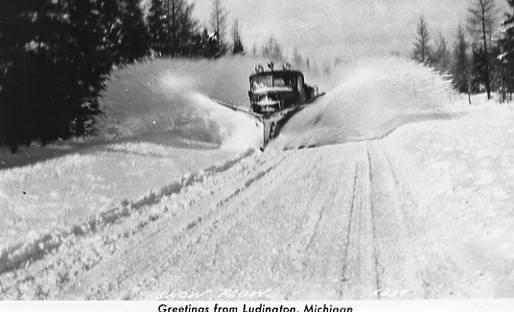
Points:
[259,69]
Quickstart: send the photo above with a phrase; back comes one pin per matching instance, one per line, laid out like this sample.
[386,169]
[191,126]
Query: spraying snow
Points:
[373,98]
[178,97]
[237,131]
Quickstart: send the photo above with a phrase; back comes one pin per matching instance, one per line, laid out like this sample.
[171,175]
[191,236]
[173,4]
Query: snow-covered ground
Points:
[62,191]
[160,123]
[388,207]
[462,174]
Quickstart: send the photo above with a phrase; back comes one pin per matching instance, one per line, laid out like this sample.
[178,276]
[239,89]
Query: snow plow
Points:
[275,96]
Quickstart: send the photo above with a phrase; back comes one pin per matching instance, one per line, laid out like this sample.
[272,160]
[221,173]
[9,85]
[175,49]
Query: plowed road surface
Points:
[328,222]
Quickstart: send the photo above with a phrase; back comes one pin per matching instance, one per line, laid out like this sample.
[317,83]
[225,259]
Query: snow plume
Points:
[236,131]
[373,98]
[179,97]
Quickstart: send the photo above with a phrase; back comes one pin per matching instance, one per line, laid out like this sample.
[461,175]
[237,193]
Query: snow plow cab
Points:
[272,91]
[275,96]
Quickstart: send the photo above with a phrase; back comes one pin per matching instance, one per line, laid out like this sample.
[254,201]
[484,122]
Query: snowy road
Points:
[423,211]
[329,222]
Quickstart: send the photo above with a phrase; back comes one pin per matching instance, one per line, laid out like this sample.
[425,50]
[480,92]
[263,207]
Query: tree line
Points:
[481,58]
[56,57]
[175,32]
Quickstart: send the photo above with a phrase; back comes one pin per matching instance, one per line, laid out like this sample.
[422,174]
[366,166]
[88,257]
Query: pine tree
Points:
[272,50]
[461,63]
[134,36]
[422,49]
[506,57]
[441,58]
[57,58]
[15,33]
[495,66]
[218,24]
[85,65]
[157,25]
[198,45]
[182,27]
[478,70]
[237,43]
[297,58]
[482,17]
[204,48]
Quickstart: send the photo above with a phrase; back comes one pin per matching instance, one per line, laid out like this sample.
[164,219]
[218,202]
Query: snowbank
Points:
[462,174]
[60,191]
[12,256]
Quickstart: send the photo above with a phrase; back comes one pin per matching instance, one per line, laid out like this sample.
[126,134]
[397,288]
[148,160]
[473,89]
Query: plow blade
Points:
[270,125]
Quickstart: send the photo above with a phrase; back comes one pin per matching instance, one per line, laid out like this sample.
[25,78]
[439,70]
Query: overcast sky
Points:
[347,28]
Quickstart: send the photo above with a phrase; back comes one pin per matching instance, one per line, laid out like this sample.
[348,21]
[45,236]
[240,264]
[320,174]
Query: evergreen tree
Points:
[214,48]
[78,74]
[57,56]
[506,57]
[272,50]
[479,70]
[461,63]
[495,66]
[218,25]
[14,103]
[482,17]
[108,14]
[198,46]
[422,50]
[182,27]
[158,27]
[237,43]
[297,58]
[133,35]
[207,46]
[441,58]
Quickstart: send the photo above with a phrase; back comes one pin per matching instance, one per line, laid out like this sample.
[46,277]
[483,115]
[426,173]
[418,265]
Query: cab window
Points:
[260,82]
[300,83]
[269,81]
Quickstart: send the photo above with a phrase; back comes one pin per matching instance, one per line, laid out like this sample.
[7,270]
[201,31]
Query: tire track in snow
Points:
[343,278]
[426,271]
[406,199]
[329,222]
[70,252]
[321,214]
[319,245]
[373,225]
[402,259]
[360,273]
[212,253]
[192,233]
